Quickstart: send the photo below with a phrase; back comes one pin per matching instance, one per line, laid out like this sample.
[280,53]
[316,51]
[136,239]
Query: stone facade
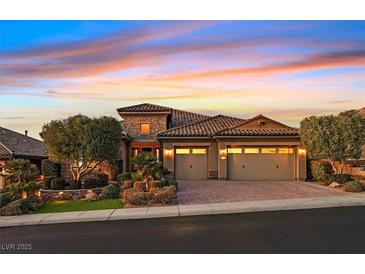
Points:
[60,195]
[132,122]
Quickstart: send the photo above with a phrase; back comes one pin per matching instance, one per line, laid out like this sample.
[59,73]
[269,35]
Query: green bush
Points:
[5,198]
[341,178]
[353,186]
[15,190]
[168,180]
[90,183]
[117,184]
[16,207]
[58,184]
[110,192]
[49,168]
[102,179]
[124,177]
[74,184]
[321,171]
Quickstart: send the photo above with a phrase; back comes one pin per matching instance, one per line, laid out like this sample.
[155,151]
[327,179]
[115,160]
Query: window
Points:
[233,150]
[199,151]
[286,150]
[144,128]
[182,151]
[268,150]
[251,150]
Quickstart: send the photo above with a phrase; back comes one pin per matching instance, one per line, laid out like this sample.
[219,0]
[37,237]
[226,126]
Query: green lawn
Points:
[79,205]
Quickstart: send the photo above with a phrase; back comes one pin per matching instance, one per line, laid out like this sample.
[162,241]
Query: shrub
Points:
[156,184]
[90,183]
[168,180]
[114,183]
[353,186]
[74,184]
[32,187]
[341,178]
[124,177]
[47,182]
[110,192]
[14,190]
[132,197]
[49,168]
[5,198]
[58,184]
[165,196]
[128,184]
[321,171]
[21,170]
[139,186]
[16,207]
[102,179]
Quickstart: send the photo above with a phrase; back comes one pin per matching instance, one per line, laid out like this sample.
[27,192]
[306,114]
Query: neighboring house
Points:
[198,147]
[16,145]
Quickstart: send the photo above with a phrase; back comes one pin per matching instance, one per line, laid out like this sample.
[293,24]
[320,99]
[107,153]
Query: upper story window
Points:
[144,128]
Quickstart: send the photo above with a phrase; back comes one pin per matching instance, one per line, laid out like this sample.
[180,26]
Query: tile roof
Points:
[15,144]
[204,128]
[258,132]
[180,117]
[145,107]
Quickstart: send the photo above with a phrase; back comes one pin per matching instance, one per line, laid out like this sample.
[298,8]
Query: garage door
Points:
[191,163]
[254,163]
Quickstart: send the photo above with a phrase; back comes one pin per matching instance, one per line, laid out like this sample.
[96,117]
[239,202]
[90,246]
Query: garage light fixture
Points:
[302,151]
[167,152]
[223,153]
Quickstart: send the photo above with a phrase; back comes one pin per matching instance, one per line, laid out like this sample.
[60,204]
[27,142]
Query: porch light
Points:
[223,154]
[302,151]
[167,152]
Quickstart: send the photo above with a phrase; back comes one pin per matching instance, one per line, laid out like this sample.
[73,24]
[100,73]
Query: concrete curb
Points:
[183,210]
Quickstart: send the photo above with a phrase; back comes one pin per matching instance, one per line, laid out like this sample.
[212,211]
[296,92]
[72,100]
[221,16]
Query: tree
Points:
[335,138]
[82,142]
[21,170]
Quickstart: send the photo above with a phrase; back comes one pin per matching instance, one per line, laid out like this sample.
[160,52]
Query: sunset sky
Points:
[286,70]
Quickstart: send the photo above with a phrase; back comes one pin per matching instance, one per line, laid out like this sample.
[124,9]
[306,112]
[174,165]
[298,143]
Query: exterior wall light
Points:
[223,154]
[302,151]
[167,152]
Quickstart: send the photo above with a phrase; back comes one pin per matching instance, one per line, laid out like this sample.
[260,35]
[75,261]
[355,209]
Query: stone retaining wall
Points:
[69,194]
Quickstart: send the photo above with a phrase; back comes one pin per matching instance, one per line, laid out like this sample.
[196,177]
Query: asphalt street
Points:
[332,230]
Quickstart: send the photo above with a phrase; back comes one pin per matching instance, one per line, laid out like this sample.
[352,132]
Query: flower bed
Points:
[155,196]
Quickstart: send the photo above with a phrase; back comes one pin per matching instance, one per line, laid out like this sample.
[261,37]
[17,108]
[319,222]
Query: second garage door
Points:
[191,163]
[261,164]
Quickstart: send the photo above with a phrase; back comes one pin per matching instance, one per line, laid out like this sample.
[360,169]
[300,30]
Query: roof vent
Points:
[26,132]
[261,123]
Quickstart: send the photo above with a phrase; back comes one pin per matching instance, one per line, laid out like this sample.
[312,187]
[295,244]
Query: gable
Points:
[261,122]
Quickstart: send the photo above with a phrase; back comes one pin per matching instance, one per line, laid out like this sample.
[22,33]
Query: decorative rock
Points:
[334,184]
[91,196]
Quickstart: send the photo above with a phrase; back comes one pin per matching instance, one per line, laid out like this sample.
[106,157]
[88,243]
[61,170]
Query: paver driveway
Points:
[201,192]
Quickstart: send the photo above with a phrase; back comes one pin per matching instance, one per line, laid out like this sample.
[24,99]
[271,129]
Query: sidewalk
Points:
[183,210]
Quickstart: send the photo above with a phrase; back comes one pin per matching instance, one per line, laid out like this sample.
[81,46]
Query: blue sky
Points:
[284,69]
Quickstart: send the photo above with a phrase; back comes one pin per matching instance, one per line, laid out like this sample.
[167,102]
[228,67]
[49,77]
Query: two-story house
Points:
[198,147]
